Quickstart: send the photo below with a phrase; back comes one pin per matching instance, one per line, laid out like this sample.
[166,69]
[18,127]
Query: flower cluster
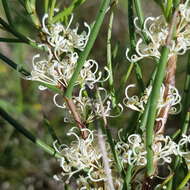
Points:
[58,66]
[138,104]
[156,29]
[89,108]
[83,157]
[133,152]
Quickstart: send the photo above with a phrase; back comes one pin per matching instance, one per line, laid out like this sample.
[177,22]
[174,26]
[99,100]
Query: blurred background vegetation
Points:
[22,164]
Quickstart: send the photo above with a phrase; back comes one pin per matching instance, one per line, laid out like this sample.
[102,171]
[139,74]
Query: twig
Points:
[28,134]
[67,11]
[184,182]
[13,65]
[11,40]
[17,34]
[76,116]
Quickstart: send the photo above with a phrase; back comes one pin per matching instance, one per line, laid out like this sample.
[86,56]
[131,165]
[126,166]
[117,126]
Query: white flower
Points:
[54,72]
[157,30]
[89,108]
[135,103]
[134,152]
[83,155]
[90,75]
[60,63]
[164,148]
[184,141]
[157,33]
[64,39]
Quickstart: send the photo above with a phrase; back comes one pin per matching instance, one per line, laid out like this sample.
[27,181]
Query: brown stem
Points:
[169,81]
[76,116]
[170,76]
[74,112]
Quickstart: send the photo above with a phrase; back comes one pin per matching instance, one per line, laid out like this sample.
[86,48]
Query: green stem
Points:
[131,25]
[95,30]
[51,130]
[67,11]
[177,2]
[109,57]
[129,70]
[14,65]
[152,108]
[26,73]
[28,134]
[51,12]
[10,40]
[174,168]
[132,48]
[112,145]
[185,123]
[186,100]
[146,110]
[154,97]
[176,135]
[7,11]
[165,182]
[168,9]
[31,9]
[132,38]
[139,78]
[145,117]
[17,34]
[12,30]
[128,177]
[46,5]
[60,16]
[109,60]
[139,11]
[184,182]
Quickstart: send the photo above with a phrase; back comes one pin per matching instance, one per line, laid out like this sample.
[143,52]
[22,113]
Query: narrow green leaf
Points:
[153,108]
[28,134]
[7,11]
